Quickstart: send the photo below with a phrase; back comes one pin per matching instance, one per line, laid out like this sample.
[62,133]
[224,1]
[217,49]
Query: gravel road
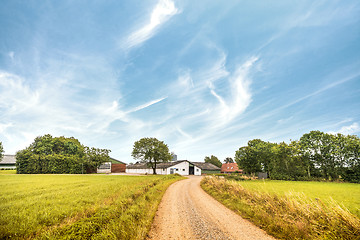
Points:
[187,212]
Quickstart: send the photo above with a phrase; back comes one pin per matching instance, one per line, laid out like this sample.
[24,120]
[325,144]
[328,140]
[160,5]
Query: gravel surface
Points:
[187,212]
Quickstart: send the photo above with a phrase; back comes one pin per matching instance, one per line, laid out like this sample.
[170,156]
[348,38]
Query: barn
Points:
[182,167]
[114,166]
[8,162]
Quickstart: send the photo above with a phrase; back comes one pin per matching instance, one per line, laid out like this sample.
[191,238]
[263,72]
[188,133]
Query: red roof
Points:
[230,167]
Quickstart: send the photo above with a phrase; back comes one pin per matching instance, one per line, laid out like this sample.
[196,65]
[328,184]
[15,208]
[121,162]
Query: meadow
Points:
[293,210]
[79,206]
[347,195]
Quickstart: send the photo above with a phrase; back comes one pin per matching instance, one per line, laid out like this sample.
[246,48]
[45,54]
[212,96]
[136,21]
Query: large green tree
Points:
[320,148]
[49,154]
[287,162]
[151,151]
[246,161]
[214,160]
[255,157]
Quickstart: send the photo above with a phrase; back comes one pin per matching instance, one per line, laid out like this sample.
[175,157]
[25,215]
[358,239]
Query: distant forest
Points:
[316,156]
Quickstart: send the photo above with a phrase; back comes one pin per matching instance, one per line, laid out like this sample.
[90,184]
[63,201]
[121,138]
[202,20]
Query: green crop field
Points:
[79,206]
[293,210]
[345,194]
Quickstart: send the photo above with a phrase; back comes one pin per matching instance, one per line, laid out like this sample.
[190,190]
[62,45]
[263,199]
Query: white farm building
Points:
[182,167]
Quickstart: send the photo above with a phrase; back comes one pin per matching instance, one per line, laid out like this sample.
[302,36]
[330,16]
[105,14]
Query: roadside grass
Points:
[286,215]
[79,206]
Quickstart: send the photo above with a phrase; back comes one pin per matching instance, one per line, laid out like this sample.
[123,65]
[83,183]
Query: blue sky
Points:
[203,76]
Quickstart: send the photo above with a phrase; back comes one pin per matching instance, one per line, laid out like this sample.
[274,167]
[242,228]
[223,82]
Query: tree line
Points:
[316,155]
[58,155]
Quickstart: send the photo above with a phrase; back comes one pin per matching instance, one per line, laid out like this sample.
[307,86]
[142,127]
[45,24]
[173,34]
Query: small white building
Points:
[182,167]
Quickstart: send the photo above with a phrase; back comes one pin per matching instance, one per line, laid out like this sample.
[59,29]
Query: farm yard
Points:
[79,206]
[293,210]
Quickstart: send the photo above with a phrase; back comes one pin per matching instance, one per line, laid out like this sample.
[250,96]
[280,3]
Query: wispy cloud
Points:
[239,93]
[148,104]
[161,13]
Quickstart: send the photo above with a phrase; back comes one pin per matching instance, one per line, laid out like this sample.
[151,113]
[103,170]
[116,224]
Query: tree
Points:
[1,151]
[320,148]
[350,152]
[246,160]
[287,162]
[49,154]
[228,160]
[151,151]
[214,160]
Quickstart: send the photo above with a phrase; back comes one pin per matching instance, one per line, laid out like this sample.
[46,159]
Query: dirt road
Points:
[187,212]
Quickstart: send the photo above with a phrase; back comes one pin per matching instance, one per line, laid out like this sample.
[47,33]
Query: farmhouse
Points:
[230,168]
[182,167]
[8,162]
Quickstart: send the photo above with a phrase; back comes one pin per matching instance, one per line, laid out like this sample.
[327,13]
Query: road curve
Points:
[187,212]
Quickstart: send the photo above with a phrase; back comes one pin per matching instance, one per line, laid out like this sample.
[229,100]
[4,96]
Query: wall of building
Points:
[180,168]
[197,171]
[104,168]
[7,166]
[118,167]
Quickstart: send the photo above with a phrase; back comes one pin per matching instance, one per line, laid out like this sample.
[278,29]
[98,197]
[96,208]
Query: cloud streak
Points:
[161,13]
[148,104]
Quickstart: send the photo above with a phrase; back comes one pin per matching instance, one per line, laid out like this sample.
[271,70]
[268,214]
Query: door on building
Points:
[191,169]
[171,171]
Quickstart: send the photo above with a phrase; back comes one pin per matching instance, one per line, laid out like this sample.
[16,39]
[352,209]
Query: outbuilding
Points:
[8,162]
[182,167]
[114,166]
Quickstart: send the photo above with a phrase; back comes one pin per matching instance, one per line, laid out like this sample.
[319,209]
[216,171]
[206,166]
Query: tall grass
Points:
[286,217]
[346,194]
[79,206]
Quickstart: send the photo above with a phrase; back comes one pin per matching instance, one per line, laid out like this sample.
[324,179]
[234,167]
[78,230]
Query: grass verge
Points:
[79,206]
[288,216]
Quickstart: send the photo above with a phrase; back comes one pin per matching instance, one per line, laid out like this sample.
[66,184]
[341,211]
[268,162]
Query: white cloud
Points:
[239,94]
[161,13]
[15,95]
[11,55]
[348,130]
[4,126]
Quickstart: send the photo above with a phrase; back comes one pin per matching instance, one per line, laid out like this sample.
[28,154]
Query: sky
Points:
[205,77]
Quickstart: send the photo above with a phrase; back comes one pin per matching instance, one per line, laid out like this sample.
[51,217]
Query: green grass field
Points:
[79,206]
[292,210]
[2,172]
[345,194]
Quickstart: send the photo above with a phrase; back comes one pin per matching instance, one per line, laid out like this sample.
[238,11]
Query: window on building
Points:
[183,169]
[197,170]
